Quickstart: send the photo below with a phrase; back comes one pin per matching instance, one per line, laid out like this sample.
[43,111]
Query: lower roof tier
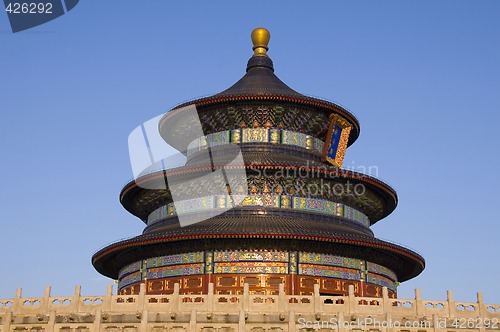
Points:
[258,232]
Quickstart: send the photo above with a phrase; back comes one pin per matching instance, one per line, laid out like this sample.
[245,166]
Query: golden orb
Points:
[260,39]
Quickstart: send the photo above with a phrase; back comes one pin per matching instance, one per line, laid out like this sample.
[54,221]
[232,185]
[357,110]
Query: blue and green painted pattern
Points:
[130,279]
[194,257]
[328,272]
[130,268]
[330,260]
[315,205]
[381,281]
[382,270]
[255,267]
[257,135]
[175,270]
[251,256]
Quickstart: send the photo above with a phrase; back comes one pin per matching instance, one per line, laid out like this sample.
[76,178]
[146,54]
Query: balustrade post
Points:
[419,303]
[352,300]
[317,299]
[46,299]
[386,302]
[75,302]
[141,298]
[210,297]
[281,299]
[176,298]
[451,304]
[246,297]
[481,306]
[16,303]
[108,299]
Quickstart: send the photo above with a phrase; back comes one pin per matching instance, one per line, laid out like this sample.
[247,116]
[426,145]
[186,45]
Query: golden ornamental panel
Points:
[336,140]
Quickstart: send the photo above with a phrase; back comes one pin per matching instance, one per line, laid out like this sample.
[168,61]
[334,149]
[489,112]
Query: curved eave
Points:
[134,187]
[407,264]
[309,101]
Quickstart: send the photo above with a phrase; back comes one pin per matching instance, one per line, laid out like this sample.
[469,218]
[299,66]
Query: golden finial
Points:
[260,39]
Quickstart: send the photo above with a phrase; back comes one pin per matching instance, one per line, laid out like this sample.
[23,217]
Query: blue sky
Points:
[423,78]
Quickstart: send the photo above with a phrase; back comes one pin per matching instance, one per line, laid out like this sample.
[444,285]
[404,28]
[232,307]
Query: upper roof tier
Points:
[260,80]
[259,85]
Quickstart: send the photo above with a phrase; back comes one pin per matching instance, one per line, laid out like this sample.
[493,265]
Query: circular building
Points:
[284,211]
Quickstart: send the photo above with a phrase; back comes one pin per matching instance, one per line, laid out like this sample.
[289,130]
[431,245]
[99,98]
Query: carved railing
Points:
[248,303]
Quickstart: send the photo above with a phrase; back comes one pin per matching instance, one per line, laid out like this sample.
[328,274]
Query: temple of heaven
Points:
[297,219]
